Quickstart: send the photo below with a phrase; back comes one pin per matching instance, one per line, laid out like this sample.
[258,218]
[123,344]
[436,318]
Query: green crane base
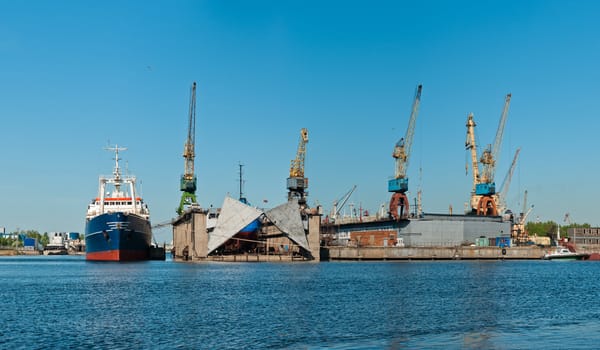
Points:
[187,198]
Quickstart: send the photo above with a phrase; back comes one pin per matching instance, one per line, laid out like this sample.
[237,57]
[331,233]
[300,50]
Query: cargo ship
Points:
[117,222]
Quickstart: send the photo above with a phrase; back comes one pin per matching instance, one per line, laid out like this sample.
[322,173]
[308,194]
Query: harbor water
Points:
[67,302]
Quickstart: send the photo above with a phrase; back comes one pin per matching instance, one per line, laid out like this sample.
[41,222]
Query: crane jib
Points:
[401,153]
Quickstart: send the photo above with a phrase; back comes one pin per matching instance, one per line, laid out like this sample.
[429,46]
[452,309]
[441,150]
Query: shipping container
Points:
[29,242]
[503,242]
[482,242]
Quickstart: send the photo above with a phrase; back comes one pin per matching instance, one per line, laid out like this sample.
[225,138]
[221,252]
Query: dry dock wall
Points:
[314,236]
[190,239]
[432,253]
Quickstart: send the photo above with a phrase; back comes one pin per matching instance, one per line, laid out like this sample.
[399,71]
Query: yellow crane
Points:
[483,197]
[399,184]
[188,179]
[471,146]
[519,233]
[297,183]
[490,155]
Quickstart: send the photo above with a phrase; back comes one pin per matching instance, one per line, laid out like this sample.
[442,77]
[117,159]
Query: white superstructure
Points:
[118,200]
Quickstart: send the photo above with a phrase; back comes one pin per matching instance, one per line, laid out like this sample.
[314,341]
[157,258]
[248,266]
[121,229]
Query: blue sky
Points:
[78,75]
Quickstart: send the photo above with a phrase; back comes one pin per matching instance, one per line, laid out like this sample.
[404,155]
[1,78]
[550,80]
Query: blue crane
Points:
[399,184]
[490,155]
[484,198]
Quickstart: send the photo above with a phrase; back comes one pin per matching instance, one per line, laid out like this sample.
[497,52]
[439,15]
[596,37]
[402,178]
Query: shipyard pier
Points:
[293,231]
[429,237]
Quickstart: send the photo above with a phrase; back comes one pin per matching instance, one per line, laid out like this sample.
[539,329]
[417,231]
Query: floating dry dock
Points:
[284,235]
[428,230]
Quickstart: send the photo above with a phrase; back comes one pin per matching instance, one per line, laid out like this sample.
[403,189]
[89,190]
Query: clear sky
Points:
[76,76]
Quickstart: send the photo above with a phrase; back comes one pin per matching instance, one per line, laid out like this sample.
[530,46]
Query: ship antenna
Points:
[117,171]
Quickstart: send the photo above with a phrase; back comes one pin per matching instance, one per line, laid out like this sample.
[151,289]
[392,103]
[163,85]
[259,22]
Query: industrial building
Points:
[584,236]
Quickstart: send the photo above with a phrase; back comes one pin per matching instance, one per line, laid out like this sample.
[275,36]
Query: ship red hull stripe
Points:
[117,255]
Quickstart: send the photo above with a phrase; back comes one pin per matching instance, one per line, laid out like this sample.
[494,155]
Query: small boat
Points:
[56,245]
[562,253]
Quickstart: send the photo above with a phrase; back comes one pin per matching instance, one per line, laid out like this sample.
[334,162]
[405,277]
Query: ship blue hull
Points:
[117,237]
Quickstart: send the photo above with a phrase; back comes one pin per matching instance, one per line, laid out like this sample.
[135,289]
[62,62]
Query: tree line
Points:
[11,241]
[549,228]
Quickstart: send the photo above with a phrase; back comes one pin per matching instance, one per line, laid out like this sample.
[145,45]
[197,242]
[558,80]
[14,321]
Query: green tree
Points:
[541,228]
[45,239]
[25,233]
[548,228]
[6,242]
[33,234]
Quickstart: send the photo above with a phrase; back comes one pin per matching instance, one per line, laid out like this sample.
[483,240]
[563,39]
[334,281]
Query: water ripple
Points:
[66,302]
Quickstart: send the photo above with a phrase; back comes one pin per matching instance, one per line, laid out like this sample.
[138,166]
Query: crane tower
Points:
[501,196]
[483,197]
[188,179]
[399,184]
[297,183]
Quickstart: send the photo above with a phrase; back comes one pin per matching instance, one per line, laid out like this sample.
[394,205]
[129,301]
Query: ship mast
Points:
[117,180]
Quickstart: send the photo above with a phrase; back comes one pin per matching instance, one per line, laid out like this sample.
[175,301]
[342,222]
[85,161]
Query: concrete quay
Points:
[8,252]
[258,258]
[432,253]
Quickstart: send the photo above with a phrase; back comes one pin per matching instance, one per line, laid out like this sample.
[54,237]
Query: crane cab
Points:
[398,185]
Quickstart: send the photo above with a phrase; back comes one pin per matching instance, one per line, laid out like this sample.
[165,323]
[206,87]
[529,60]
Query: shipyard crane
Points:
[483,200]
[188,179]
[518,229]
[524,204]
[338,204]
[399,184]
[297,183]
[471,146]
[567,219]
[501,195]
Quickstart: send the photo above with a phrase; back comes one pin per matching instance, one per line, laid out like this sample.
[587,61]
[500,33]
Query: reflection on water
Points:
[64,301]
